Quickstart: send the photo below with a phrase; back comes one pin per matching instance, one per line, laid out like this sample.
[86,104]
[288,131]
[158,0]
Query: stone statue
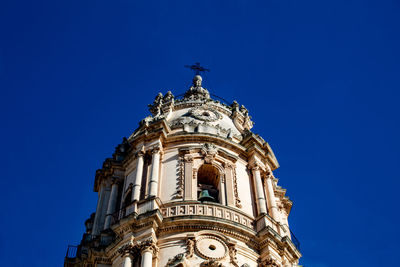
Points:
[155,108]
[196,91]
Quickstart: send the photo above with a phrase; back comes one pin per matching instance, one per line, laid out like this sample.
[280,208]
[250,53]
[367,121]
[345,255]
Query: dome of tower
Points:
[197,112]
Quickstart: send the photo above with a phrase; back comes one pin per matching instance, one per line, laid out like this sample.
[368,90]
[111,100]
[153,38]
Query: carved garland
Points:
[235,189]
[181,178]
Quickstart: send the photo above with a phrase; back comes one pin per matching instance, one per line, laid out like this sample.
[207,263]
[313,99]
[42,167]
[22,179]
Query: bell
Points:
[205,196]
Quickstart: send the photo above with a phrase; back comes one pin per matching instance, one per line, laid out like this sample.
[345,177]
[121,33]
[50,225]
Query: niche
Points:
[208,183]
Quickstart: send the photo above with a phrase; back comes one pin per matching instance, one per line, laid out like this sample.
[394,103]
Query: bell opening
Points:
[208,181]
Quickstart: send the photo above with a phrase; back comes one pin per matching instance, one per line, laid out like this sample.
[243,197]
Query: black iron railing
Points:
[71,251]
[295,241]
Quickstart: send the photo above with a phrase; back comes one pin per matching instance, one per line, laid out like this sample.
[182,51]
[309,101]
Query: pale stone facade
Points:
[192,186]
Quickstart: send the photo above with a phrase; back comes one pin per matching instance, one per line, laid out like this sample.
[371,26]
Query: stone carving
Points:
[196,91]
[176,260]
[169,97]
[122,150]
[208,210]
[188,158]
[235,106]
[181,178]
[128,248]
[155,108]
[235,189]
[204,113]
[211,248]
[209,151]
[148,244]
[189,247]
[244,111]
[232,255]
[211,263]
[268,262]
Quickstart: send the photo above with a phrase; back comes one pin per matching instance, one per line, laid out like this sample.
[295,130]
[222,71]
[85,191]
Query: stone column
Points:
[97,217]
[272,208]
[111,203]
[230,197]
[127,261]
[137,184]
[222,194]
[261,205]
[155,171]
[147,258]
[147,248]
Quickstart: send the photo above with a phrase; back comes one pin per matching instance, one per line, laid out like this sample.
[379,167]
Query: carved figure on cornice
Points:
[168,97]
[211,263]
[235,106]
[196,91]
[189,247]
[209,151]
[244,111]
[146,121]
[175,260]
[155,108]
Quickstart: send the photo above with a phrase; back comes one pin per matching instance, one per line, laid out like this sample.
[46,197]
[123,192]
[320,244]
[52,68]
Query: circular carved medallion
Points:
[204,114]
[210,247]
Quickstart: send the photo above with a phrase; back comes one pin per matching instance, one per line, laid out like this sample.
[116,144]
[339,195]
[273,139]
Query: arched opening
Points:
[208,183]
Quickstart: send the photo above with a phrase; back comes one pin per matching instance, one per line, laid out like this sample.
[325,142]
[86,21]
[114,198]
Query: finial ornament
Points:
[196,91]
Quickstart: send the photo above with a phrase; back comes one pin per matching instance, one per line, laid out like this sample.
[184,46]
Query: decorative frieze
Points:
[180,209]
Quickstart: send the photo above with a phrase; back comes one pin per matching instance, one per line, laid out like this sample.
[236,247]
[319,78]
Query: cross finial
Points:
[196,68]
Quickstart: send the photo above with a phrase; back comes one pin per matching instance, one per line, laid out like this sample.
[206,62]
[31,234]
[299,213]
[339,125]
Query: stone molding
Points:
[224,212]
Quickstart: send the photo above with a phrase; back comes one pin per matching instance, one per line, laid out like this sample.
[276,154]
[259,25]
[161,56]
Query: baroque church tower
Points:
[192,186]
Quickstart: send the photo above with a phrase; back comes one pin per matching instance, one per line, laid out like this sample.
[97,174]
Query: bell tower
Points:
[192,186]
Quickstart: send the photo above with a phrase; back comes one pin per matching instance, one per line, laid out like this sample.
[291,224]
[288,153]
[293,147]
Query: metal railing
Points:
[71,251]
[295,241]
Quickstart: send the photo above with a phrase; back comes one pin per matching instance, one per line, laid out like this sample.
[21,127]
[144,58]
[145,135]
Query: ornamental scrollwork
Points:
[148,244]
[189,247]
[175,260]
[209,151]
[235,189]
[204,113]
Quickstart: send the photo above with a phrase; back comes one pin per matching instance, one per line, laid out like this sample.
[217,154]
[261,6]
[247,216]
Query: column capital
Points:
[139,154]
[229,165]
[188,158]
[255,166]
[115,180]
[127,249]
[148,245]
[156,150]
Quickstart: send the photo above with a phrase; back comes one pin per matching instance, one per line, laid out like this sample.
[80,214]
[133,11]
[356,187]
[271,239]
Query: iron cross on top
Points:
[197,68]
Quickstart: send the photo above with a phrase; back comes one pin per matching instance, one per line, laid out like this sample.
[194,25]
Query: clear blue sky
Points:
[320,79]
